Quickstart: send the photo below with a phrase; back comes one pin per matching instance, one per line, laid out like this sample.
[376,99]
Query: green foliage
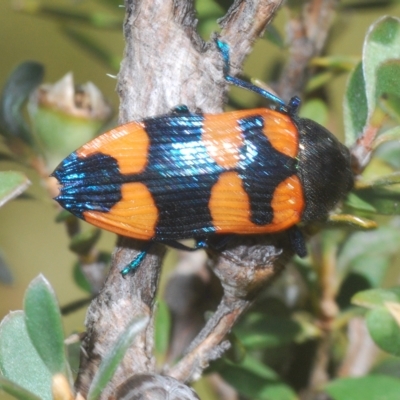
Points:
[83,242]
[80,279]
[373,76]
[381,45]
[369,254]
[252,378]
[44,325]
[32,351]
[20,362]
[373,387]
[16,391]
[22,81]
[5,273]
[316,110]
[12,184]
[342,261]
[32,345]
[162,328]
[382,317]
[355,105]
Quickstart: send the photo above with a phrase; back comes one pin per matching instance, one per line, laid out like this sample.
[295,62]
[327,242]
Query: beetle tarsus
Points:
[180,109]
[135,263]
[297,241]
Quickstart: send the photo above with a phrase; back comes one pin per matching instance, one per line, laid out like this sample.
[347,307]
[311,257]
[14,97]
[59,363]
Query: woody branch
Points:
[165,64]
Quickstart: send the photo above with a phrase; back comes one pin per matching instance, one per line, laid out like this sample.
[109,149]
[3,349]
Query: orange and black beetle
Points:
[185,175]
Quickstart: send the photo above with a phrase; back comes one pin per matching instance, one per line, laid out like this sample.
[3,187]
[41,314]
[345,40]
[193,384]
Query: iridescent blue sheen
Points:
[179,174]
[278,103]
[136,261]
[92,183]
[263,170]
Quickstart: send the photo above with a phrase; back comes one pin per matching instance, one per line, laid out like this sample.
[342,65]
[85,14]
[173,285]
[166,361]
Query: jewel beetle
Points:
[190,175]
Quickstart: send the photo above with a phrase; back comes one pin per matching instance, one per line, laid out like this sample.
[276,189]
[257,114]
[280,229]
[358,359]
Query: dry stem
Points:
[306,32]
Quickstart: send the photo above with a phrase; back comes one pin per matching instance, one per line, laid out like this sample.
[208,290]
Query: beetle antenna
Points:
[281,106]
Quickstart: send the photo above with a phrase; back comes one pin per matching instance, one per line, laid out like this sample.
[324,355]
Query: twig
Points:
[361,352]
[246,267]
[119,301]
[201,291]
[244,22]
[165,64]
[306,32]
[362,150]
[211,347]
[319,374]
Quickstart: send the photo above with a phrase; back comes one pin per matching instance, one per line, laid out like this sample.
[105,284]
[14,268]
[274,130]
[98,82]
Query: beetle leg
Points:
[201,243]
[280,104]
[297,241]
[180,109]
[134,264]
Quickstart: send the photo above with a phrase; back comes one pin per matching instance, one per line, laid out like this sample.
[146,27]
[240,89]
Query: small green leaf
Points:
[254,379]
[59,132]
[83,242]
[15,390]
[277,391]
[258,368]
[92,46]
[383,201]
[376,298]
[382,43]
[22,81]
[100,264]
[19,361]
[389,366]
[371,387]
[389,152]
[387,180]
[319,80]
[369,253]
[12,184]
[162,327]
[74,348]
[63,216]
[384,330]
[357,203]
[44,325]
[209,9]
[316,110]
[5,273]
[355,106]
[387,83]
[111,361]
[390,104]
[80,278]
[273,35]
[237,352]
[336,62]
[309,329]
[261,331]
